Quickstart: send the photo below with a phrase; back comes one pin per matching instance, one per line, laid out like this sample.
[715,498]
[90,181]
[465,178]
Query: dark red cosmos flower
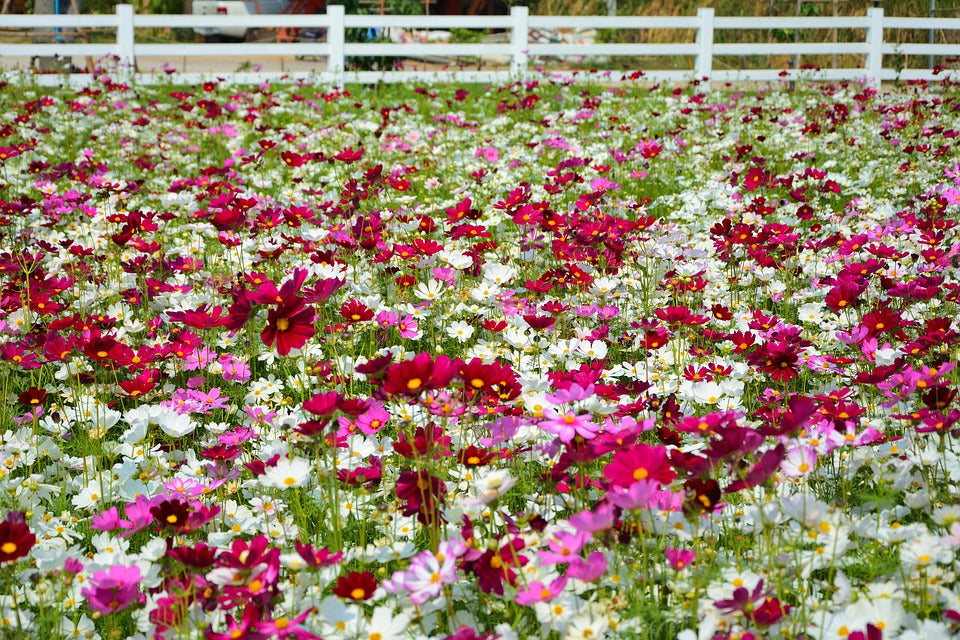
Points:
[768,464]
[845,293]
[100,347]
[349,154]
[289,324]
[200,318]
[479,376]
[679,315]
[701,496]
[428,441]
[776,359]
[32,397]
[356,311]
[16,539]
[754,178]
[756,605]
[143,383]
[539,322]
[777,421]
[182,516]
[474,457]
[356,585]
[493,565]
[422,494]
[412,377]
[361,476]
[201,556]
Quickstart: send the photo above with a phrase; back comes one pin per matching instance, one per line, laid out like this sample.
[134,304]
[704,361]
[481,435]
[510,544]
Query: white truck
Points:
[235,8]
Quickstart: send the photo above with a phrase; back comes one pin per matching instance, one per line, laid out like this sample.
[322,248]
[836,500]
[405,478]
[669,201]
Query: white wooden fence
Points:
[520,50]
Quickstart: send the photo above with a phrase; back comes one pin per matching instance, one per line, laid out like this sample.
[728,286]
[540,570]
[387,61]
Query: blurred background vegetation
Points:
[783,8]
[913,8]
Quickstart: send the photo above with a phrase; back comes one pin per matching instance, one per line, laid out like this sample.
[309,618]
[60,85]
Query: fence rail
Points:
[517,54]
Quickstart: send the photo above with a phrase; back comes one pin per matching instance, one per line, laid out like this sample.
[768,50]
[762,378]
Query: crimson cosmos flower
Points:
[289,324]
[16,539]
[356,585]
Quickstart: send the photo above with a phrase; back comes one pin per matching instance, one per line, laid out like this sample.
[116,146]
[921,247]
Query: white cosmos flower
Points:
[460,331]
[594,349]
[170,422]
[485,291]
[430,290]
[176,425]
[287,474]
[707,392]
[498,274]
[456,259]
[385,626]
[491,486]
[811,313]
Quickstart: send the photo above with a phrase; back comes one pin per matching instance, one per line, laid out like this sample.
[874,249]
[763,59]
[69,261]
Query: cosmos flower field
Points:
[542,360]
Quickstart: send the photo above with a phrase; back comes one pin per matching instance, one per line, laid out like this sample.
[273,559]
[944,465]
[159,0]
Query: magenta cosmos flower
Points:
[639,462]
[113,590]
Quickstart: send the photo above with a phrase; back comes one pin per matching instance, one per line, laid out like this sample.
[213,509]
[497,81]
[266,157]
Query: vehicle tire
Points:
[213,38]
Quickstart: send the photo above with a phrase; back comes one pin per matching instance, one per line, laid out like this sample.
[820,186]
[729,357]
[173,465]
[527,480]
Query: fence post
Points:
[704,63]
[874,60]
[519,40]
[336,36]
[125,39]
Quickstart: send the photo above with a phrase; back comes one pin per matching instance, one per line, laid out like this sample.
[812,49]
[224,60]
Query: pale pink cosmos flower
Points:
[799,461]
[428,572]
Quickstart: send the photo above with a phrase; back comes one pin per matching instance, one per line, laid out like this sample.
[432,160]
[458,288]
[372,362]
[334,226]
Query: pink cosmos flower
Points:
[952,196]
[234,370]
[284,627]
[679,558]
[373,419]
[568,425]
[600,519]
[564,546]
[408,327]
[572,393]
[641,494]
[587,570]
[539,592]
[113,590]
[200,359]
